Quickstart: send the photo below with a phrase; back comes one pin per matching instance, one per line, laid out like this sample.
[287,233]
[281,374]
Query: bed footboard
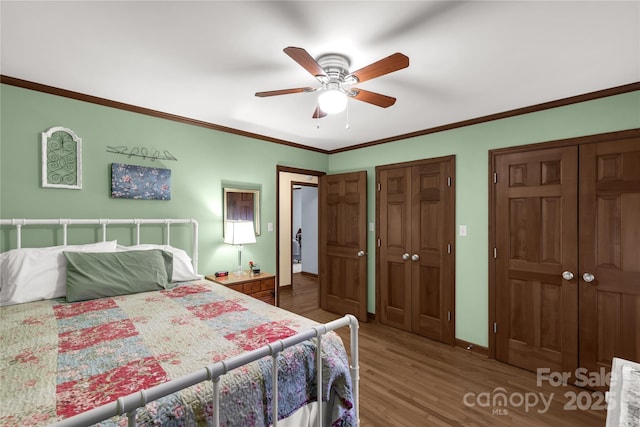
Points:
[128,405]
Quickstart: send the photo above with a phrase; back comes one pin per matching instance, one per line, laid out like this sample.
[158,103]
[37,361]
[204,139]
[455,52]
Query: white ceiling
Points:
[205,60]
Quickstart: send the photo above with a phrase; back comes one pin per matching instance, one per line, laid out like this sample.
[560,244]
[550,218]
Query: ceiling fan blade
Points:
[318,113]
[307,62]
[387,65]
[380,100]
[284,91]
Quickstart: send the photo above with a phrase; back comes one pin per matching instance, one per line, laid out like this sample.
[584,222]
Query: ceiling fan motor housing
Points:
[335,65]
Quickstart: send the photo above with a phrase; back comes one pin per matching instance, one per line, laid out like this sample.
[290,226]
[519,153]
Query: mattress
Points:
[60,359]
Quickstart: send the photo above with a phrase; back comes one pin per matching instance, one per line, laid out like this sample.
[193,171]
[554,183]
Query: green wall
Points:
[206,158]
[471,147]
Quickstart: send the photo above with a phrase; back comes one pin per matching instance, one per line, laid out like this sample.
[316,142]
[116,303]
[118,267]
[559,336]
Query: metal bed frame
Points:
[128,405]
[64,223]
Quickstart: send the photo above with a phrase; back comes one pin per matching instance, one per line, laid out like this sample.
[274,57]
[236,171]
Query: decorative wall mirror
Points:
[242,205]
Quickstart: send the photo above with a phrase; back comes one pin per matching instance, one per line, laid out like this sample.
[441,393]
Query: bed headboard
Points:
[65,223]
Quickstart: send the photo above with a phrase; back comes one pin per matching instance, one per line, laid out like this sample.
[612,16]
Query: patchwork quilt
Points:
[59,359]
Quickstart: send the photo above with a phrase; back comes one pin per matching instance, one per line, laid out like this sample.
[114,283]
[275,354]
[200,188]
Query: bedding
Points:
[62,358]
[623,397]
[106,274]
[630,397]
[182,265]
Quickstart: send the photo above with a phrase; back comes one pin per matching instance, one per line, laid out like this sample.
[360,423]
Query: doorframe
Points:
[286,169]
[589,139]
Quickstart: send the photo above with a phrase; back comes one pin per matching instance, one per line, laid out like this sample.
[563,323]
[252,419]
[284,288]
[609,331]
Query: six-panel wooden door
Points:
[416,262]
[609,270]
[567,269]
[536,235]
[343,243]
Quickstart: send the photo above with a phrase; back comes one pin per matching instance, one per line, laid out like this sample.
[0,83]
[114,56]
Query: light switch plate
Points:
[463,231]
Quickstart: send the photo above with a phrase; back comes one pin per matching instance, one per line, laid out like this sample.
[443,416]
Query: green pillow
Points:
[104,274]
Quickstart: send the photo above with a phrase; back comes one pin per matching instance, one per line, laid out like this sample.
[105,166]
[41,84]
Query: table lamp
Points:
[239,233]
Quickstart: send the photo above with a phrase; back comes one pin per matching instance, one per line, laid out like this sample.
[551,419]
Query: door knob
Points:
[361,253]
[406,256]
[588,277]
[567,275]
[415,257]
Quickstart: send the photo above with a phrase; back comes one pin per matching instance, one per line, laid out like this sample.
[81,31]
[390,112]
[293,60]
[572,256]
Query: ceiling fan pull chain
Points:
[347,125]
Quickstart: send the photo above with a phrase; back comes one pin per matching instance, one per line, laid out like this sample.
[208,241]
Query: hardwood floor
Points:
[407,380]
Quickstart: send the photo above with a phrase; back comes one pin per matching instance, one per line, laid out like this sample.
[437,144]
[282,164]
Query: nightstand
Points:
[261,286]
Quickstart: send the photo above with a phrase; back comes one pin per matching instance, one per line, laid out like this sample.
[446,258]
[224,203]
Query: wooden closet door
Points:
[536,241]
[610,251]
[432,222]
[394,264]
[416,231]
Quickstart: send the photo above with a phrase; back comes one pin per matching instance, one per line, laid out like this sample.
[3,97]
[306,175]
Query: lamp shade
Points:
[332,101]
[239,232]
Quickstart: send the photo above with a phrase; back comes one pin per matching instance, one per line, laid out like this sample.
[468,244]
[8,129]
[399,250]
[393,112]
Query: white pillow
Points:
[32,274]
[182,265]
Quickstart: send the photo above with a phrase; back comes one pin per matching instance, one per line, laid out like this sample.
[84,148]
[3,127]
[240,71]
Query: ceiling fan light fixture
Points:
[332,101]
[332,71]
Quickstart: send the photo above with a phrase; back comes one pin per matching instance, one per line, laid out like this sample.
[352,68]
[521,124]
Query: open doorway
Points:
[287,179]
[342,221]
[304,229]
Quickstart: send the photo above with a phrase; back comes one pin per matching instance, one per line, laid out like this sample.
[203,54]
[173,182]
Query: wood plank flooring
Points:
[407,380]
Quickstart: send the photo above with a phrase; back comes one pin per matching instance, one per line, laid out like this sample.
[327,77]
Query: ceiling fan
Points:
[332,71]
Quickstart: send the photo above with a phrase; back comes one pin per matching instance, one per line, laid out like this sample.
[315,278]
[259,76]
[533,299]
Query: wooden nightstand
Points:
[261,286]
